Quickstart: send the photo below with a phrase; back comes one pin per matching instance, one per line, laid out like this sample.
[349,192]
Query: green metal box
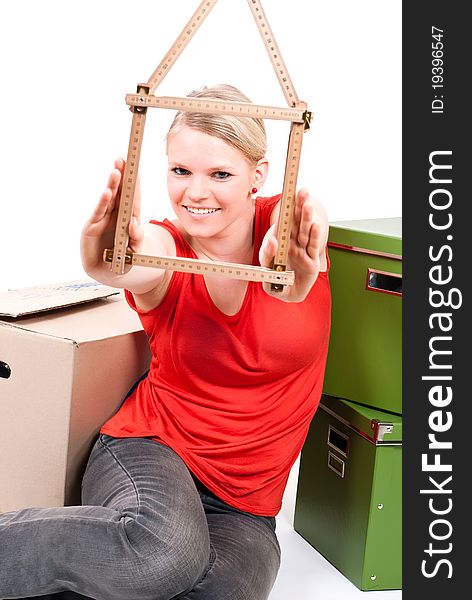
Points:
[364,358]
[348,503]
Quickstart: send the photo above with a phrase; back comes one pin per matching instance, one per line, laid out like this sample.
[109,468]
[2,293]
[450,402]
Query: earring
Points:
[254,190]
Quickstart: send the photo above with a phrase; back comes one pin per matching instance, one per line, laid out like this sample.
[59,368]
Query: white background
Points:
[66,67]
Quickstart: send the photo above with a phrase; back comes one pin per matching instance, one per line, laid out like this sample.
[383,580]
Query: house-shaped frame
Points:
[296,113]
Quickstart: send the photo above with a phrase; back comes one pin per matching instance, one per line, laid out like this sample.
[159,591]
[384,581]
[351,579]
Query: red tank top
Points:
[232,395]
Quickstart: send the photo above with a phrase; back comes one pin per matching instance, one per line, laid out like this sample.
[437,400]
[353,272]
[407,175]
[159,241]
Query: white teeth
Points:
[201,211]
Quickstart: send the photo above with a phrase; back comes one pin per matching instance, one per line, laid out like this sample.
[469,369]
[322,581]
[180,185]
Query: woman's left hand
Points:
[306,251]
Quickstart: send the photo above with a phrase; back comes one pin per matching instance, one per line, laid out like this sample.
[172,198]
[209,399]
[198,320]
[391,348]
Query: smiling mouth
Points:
[201,211]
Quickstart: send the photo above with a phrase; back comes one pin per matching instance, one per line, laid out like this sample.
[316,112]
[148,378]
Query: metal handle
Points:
[336,464]
[381,281]
[5,370]
[338,441]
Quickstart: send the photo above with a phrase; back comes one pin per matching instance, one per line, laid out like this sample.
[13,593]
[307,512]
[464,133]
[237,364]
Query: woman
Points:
[183,485]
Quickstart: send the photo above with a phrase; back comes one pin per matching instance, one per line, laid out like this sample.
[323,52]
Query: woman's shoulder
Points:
[267,202]
[172,234]
[265,206]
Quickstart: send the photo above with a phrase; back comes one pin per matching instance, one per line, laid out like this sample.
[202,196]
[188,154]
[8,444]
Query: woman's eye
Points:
[180,171]
[221,175]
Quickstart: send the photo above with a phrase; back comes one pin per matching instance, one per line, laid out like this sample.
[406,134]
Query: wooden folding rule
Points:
[144,98]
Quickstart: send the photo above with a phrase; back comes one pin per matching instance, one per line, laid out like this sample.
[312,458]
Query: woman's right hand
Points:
[98,232]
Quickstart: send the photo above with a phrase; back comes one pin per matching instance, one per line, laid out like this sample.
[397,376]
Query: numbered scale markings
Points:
[203,267]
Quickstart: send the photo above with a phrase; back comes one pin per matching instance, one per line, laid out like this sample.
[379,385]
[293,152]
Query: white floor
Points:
[304,573]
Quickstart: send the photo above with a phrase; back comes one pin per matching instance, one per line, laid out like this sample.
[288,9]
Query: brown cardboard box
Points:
[69,372]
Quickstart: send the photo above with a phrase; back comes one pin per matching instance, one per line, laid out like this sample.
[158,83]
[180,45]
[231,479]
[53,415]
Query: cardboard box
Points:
[62,375]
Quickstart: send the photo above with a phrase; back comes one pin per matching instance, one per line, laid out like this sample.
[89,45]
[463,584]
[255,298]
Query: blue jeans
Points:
[147,530]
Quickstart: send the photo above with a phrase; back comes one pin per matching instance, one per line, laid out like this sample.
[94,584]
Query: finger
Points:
[296,217]
[267,252]
[120,164]
[313,247]
[306,220]
[106,201]
[136,234]
[300,199]
[297,213]
[268,248]
[137,201]
[116,178]
[102,207]
[303,195]
[114,182]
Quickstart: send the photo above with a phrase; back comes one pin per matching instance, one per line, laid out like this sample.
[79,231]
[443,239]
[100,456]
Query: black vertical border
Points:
[425,132]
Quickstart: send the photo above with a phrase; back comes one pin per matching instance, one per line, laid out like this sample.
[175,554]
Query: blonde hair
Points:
[246,134]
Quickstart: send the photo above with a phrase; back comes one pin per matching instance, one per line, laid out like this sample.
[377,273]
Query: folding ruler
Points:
[297,113]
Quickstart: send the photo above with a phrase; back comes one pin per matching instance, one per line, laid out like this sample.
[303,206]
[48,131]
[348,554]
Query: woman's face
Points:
[209,183]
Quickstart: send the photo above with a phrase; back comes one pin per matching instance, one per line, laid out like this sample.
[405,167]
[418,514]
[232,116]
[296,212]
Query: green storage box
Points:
[348,503]
[364,358]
